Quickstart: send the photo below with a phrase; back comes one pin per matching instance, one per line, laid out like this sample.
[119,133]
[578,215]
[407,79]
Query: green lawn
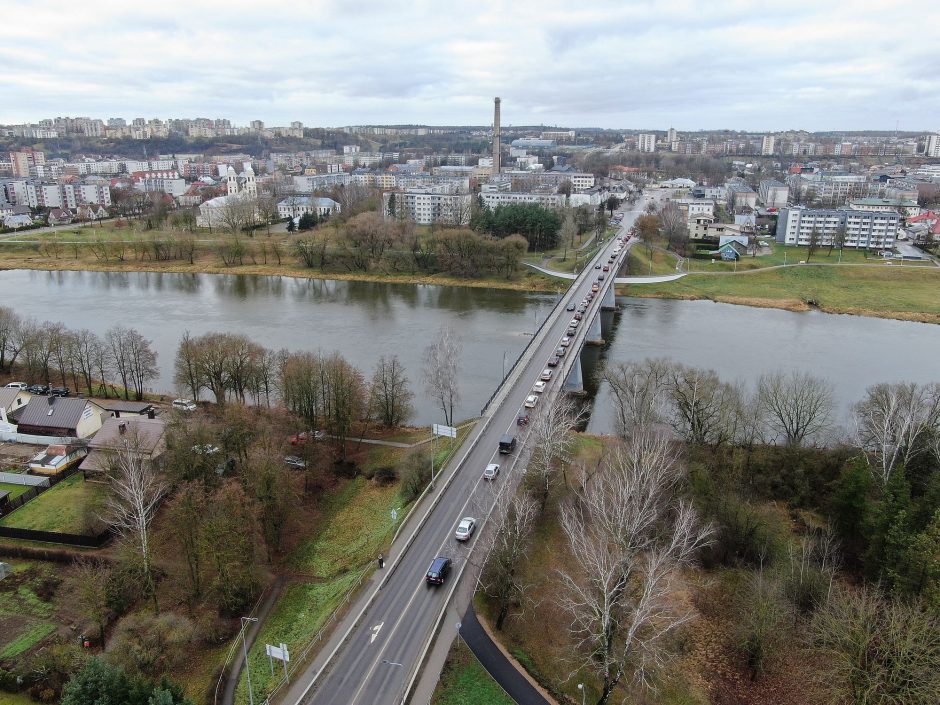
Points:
[65,508]
[24,615]
[781,254]
[465,682]
[910,293]
[638,262]
[14,489]
[15,699]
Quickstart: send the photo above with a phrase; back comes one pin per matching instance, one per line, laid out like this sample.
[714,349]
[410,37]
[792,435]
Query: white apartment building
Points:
[308,183]
[773,193]
[767,145]
[862,229]
[296,206]
[429,204]
[831,188]
[646,142]
[40,194]
[933,146]
[693,207]
[492,199]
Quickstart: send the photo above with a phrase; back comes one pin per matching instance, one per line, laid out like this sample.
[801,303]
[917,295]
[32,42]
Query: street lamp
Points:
[581,688]
[251,697]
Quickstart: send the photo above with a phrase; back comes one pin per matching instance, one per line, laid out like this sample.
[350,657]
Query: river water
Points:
[740,343]
[363,320]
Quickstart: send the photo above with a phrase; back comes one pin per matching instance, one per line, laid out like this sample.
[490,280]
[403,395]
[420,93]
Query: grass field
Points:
[15,699]
[14,490]
[465,682]
[638,262]
[25,616]
[63,508]
[780,254]
[909,294]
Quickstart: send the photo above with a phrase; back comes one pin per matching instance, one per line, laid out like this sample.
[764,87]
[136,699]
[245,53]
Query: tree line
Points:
[120,362]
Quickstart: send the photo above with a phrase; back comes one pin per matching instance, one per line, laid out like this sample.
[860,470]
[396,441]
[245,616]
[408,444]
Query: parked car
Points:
[59,391]
[531,401]
[582,308]
[546,375]
[439,570]
[491,471]
[17,385]
[566,341]
[38,389]
[298,439]
[600,277]
[574,321]
[295,462]
[570,307]
[184,404]
[465,528]
[538,387]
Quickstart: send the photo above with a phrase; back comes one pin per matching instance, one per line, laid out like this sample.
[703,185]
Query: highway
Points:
[382,653]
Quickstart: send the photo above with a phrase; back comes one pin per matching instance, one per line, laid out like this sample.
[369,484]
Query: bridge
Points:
[379,647]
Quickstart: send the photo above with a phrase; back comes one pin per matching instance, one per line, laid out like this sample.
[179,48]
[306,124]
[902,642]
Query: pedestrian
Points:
[381,561]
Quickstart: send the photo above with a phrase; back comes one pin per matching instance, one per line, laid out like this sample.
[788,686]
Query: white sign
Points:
[280,653]
[375,631]
[442,430]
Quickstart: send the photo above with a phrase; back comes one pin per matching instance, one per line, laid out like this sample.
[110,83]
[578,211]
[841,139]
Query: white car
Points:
[531,401]
[573,323]
[546,374]
[465,528]
[565,342]
[184,404]
[16,385]
[538,387]
[492,470]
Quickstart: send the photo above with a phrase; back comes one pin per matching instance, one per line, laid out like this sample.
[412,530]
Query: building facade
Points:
[773,193]
[429,204]
[855,228]
[646,142]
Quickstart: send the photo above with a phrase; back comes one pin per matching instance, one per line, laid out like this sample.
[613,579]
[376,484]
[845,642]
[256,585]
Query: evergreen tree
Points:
[290,226]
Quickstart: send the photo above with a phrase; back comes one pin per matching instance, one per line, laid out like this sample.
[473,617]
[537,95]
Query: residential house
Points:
[730,250]
[119,407]
[144,437]
[57,458]
[58,416]
[14,222]
[10,400]
[59,216]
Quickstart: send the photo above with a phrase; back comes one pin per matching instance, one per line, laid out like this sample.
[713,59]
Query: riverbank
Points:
[906,294]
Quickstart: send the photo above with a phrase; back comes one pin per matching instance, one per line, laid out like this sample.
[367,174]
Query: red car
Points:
[300,438]
[606,268]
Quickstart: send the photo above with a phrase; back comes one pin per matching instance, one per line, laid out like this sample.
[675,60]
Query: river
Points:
[363,320]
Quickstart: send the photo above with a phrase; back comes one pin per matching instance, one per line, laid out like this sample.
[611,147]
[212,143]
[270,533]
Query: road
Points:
[375,664]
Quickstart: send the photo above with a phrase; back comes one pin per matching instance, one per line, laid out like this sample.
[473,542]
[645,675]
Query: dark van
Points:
[507,444]
[438,571]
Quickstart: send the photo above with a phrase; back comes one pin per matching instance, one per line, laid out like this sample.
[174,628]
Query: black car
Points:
[439,570]
[59,391]
[553,362]
[38,389]
[570,307]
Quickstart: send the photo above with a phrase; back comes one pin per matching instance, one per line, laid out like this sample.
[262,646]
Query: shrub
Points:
[386,475]
[415,470]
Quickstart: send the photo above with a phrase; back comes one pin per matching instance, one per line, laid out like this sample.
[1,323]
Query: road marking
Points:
[375,631]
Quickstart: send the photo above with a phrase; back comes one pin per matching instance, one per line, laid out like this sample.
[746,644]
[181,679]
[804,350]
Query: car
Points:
[597,266]
[38,389]
[595,288]
[539,387]
[438,571]
[569,307]
[295,462]
[606,269]
[582,308]
[553,362]
[570,332]
[59,391]
[590,296]
[491,471]
[574,321]
[546,375]
[298,439]
[578,317]
[600,277]
[16,385]
[465,528]
[531,401]
[184,404]
[565,342]
[560,351]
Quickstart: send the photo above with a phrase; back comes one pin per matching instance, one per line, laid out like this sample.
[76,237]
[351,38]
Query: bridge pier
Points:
[609,302]
[595,335]
[574,382]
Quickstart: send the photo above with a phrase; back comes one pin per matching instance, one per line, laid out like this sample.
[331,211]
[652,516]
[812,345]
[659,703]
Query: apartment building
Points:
[773,193]
[858,228]
[767,145]
[308,183]
[832,188]
[646,142]
[41,194]
[933,146]
[429,204]
[492,199]
[740,195]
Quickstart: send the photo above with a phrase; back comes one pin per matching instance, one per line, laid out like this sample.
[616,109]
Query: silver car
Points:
[465,528]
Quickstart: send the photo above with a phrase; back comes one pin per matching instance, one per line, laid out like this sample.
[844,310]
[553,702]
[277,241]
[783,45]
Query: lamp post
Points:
[581,688]
[251,697]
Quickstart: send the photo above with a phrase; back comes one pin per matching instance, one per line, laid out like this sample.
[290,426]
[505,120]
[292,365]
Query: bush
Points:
[151,645]
[746,536]
[415,470]
[386,475]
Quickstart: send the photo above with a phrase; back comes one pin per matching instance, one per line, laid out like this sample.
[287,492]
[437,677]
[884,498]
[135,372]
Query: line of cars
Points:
[40,389]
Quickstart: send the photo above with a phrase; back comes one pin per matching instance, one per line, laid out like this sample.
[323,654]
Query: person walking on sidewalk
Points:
[381,561]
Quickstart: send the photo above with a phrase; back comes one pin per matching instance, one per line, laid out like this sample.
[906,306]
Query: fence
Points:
[55,537]
[43,484]
[21,478]
[14,437]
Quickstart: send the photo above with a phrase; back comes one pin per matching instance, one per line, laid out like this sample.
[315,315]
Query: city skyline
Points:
[755,69]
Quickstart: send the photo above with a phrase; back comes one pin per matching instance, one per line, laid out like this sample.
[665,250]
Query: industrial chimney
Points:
[495,136]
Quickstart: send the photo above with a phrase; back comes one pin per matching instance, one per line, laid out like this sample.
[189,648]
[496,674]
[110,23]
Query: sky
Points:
[756,66]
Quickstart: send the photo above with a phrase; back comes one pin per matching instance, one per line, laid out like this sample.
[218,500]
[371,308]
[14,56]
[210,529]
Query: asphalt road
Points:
[376,663]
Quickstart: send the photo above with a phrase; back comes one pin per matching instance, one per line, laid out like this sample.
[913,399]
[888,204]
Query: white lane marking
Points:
[375,631]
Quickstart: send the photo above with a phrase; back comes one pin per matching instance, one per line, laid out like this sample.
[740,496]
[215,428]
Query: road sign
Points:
[278,652]
[442,430]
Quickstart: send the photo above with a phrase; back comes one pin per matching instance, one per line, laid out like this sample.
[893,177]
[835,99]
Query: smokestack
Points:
[495,136]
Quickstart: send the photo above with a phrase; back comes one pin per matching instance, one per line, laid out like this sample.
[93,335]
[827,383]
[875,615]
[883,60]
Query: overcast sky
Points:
[791,64]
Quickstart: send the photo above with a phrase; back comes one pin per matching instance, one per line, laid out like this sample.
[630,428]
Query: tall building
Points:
[855,228]
[933,145]
[496,163]
[646,142]
[672,135]
[767,145]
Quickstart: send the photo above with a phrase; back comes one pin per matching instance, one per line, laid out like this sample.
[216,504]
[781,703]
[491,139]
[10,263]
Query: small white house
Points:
[296,206]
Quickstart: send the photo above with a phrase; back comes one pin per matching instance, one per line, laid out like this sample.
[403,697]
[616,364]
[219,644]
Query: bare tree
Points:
[441,362]
[390,398]
[136,492]
[133,358]
[627,534]
[550,439]
[9,322]
[503,547]
[702,407]
[894,422]
[640,393]
[797,404]
[88,585]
